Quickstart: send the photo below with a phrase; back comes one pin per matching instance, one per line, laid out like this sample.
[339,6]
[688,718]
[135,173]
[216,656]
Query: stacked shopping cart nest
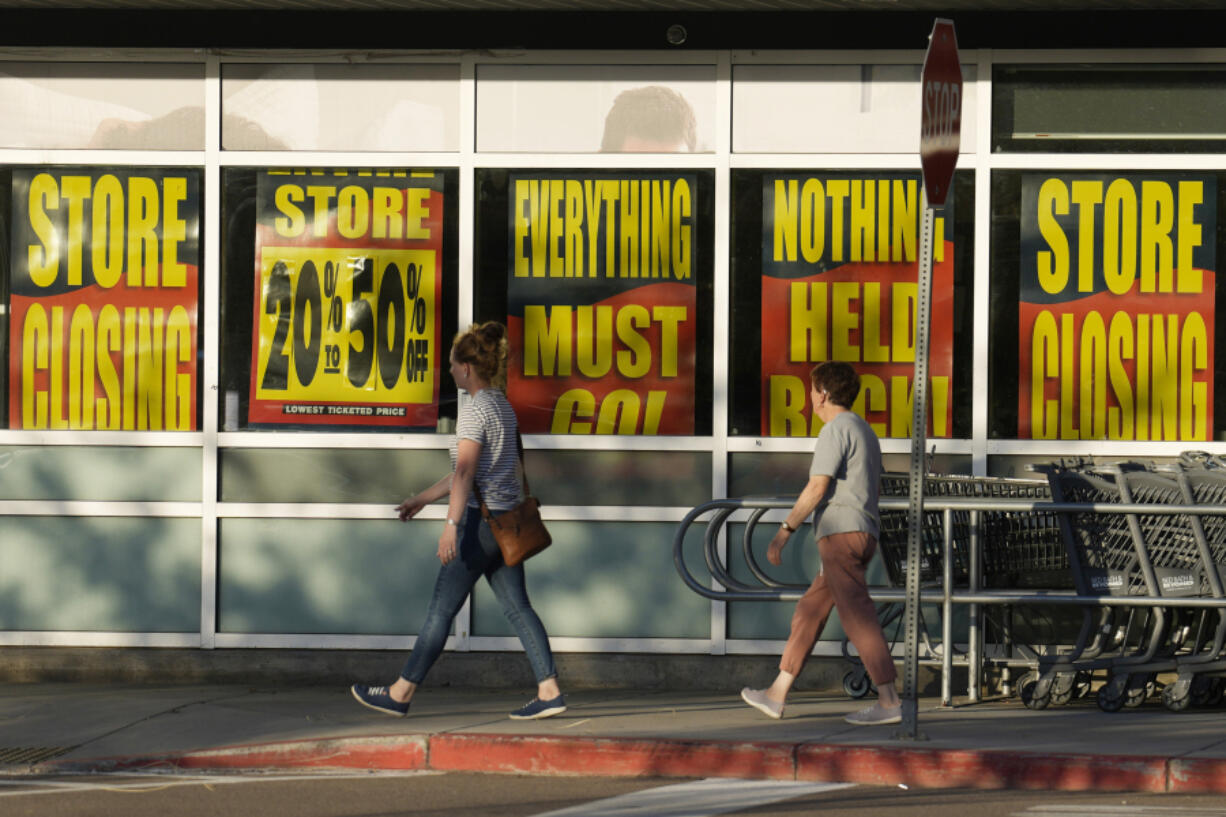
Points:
[1152,555]
[1016,547]
[1019,548]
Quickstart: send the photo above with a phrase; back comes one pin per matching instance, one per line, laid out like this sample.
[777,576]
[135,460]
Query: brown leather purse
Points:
[519,532]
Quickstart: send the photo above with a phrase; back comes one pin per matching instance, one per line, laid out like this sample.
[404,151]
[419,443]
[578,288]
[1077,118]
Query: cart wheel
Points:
[1062,688]
[1201,689]
[1215,694]
[1137,693]
[1027,690]
[1109,702]
[856,684]
[1173,700]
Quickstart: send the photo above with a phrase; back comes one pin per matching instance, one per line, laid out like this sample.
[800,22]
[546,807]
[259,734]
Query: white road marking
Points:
[160,781]
[1121,810]
[700,798]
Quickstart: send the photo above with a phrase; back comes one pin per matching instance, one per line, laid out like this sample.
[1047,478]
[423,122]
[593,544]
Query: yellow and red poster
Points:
[347,283]
[601,302]
[1116,306]
[104,296]
[840,265]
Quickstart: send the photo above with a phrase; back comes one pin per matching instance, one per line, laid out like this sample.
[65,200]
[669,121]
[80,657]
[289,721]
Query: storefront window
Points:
[604,279]
[338,293]
[596,108]
[862,108]
[1103,305]
[102,106]
[824,267]
[1109,108]
[393,107]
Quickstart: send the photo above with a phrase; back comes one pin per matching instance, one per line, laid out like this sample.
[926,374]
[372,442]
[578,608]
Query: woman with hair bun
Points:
[486,451]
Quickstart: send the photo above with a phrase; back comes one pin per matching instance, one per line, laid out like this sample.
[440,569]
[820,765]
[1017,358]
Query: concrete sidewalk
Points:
[51,728]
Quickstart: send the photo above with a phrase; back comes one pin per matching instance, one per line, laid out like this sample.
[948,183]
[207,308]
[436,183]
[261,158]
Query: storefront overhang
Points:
[597,24]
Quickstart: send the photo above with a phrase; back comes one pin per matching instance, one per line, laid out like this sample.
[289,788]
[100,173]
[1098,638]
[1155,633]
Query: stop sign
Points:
[940,111]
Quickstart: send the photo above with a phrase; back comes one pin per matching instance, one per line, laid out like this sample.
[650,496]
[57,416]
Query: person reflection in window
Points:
[651,119]
[181,129]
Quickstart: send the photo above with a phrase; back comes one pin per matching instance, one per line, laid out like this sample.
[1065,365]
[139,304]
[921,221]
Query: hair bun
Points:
[492,333]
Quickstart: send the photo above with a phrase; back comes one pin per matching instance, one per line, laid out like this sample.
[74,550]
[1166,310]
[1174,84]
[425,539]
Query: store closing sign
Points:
[347,284]
[104,295]
[1117,307]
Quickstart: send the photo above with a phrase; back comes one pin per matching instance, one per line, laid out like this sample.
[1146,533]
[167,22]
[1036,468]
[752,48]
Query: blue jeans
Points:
[479,556]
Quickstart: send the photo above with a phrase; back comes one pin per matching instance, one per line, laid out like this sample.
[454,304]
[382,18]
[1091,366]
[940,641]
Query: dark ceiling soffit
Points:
[397,30]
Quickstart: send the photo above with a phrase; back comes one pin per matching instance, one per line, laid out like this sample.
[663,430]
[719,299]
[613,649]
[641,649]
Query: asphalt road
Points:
[427,794]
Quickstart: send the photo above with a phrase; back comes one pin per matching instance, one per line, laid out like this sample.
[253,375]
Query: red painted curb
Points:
[937,768]
[399,752]
[621,757]
[632,757]
[1197,776]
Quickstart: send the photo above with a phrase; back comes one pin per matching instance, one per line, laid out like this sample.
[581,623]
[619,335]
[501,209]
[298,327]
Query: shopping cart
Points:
[1017,548]
[1202,481]
[1133,554]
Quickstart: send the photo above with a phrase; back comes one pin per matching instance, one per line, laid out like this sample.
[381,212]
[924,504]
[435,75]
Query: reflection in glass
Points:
[102,105]
[399,107]
[591,108]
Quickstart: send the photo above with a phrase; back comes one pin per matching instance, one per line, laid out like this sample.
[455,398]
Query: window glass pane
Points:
[1017,466]
[653,478]
[596,108]
[398,107]
[344,475]
[1103,293]
[785,474]
[103,298]
[148,106]
[605,281]
[351,302]
[100,574]
[824,265]
[100,473]
[835,108]
[1102,108]
[366,476]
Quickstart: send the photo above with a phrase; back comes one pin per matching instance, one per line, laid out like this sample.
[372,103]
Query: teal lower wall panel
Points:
[327,576]
[100,574]
[100,473]
[607,580]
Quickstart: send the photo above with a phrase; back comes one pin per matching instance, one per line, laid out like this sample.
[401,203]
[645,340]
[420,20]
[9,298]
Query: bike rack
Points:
[726,588]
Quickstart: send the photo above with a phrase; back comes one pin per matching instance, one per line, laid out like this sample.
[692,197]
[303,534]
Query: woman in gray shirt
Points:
[844,480]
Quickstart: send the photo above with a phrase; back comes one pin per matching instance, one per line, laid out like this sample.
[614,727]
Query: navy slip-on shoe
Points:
[536,709]
[378,699]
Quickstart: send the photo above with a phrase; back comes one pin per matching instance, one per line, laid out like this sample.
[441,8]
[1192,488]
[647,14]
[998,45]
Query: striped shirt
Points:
[488,419]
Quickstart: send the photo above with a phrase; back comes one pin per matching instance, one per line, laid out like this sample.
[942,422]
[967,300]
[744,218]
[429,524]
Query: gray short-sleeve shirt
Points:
[849,453]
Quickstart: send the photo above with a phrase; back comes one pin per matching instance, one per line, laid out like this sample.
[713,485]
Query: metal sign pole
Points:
[915,513]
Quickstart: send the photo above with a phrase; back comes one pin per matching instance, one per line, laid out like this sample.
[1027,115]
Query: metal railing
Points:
[751,510]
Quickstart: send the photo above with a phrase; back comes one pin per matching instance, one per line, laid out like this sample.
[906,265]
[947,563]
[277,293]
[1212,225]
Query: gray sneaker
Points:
[758,700]
[875,715]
